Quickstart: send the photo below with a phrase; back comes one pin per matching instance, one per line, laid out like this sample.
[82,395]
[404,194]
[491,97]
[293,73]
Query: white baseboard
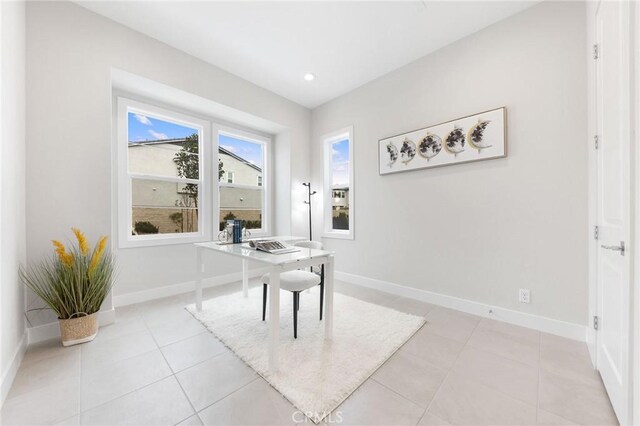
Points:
[51,330]
[181,288]
[10,374]
[536,322]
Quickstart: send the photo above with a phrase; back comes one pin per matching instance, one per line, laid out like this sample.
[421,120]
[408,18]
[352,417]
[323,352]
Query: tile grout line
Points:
[134,390]
[475,348]
[38,386]
[449,370]
[231,393]
[127,393]
[510,360]
[173,373]
[135,355]
[501,392]
[195,412]
[202,362]
[410,356]
[401,396]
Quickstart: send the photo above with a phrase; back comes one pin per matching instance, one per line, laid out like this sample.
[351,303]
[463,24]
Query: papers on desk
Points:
[272,246]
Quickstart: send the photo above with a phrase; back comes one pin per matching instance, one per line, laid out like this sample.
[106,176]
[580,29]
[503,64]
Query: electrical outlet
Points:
[525,295]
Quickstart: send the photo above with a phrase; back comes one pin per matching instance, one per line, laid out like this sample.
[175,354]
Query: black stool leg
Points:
[264,300]
[321,289]
[295,314]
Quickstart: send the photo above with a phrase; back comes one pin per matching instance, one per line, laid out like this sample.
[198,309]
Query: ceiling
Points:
[273,44]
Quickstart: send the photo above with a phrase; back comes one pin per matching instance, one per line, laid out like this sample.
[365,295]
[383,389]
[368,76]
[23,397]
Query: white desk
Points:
[278,263]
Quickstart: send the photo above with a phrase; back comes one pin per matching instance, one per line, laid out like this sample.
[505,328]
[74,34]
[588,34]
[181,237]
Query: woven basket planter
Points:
[78,330]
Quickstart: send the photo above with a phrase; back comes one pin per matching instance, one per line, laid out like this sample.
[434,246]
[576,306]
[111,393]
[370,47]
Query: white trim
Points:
[267,152]
[635,310]
[536,322]
[9,375]
[591,335]
[163,178]
[52,330]
[237,185]
[181,288]
[327,142]
[623,407]
[124,176]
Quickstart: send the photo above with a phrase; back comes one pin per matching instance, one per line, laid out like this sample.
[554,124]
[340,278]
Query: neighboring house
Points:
[340,207]
[244,201]
[169,206]
[239,171]
[340,199]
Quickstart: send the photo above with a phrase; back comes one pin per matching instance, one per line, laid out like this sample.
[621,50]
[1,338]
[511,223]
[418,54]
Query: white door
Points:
[613,201]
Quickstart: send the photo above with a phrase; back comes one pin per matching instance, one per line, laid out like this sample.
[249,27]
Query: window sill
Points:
[340,235]
[156,241]
[258,234]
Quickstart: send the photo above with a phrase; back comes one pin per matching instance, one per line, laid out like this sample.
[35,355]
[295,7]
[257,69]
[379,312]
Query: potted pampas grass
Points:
[74,283]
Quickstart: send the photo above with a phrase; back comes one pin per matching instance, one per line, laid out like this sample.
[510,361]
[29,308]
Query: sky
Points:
[252,152]
[143,128]
[340,162]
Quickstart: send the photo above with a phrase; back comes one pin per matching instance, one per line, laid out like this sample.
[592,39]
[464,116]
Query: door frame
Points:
[634,278]
[634,342]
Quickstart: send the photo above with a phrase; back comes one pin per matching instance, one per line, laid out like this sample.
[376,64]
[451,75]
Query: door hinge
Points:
[595,322]
[596,51]
[595,232]
[596,140]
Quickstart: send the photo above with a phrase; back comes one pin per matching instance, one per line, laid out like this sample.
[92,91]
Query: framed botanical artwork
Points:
[476,137]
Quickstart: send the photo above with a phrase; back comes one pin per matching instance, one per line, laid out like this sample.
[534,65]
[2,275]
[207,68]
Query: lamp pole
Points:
[309,194]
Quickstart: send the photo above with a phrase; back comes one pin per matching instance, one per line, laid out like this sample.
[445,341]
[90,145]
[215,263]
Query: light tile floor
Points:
[158,365]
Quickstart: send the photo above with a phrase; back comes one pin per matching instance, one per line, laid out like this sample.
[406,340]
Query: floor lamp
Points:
[309,194]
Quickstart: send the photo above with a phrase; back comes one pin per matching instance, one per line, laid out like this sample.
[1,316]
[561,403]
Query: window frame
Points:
[266,189]
[125,177]
[327,141]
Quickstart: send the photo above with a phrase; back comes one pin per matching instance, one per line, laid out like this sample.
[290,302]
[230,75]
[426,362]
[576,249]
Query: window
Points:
[161,176]
[243,195]
[338,184]
[168,192]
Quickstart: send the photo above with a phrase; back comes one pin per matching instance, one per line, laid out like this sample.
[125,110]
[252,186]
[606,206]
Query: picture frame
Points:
[477,137]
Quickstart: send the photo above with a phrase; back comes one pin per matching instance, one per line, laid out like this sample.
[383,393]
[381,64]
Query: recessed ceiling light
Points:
[308,76]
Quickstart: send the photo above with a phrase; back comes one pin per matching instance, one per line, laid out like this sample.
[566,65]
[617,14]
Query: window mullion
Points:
[164,178]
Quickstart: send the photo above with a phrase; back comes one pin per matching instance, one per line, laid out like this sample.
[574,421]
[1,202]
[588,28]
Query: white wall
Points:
[478,231]
[12,189]
[70,54]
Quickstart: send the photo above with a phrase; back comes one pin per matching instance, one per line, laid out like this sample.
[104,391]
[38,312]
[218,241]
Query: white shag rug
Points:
[315,375]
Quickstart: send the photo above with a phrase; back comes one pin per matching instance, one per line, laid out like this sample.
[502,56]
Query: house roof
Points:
[178,141]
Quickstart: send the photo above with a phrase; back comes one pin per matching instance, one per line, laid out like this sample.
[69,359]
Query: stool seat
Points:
[295,280]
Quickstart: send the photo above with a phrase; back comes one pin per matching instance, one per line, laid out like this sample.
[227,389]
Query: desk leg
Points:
[199,273]
[245,278]
[274,318]
[328,299]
